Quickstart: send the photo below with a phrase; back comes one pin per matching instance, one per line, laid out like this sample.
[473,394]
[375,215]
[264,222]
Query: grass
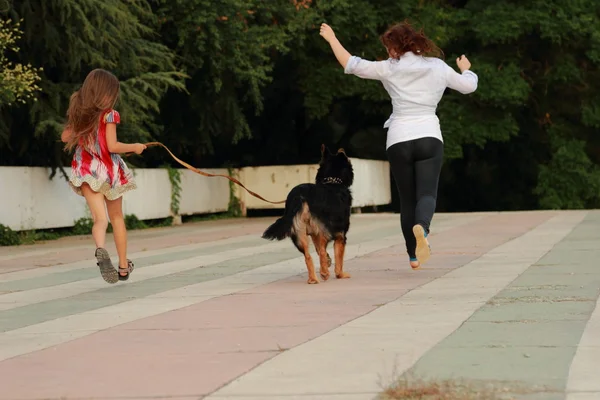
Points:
[83,226]
[420,389]
[412,388]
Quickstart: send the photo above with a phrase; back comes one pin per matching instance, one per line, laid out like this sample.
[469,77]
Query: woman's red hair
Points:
[402,38]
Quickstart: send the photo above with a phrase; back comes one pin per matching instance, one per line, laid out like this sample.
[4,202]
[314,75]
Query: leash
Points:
[196,170]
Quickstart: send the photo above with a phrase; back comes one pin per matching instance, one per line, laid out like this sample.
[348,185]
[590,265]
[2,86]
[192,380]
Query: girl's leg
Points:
[400,158]
[95,202]
[115,213]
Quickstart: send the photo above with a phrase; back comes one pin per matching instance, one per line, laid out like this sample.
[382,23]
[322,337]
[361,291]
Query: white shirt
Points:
[416,85]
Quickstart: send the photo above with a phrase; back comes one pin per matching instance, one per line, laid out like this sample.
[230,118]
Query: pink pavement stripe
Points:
[171,238]
[196,350]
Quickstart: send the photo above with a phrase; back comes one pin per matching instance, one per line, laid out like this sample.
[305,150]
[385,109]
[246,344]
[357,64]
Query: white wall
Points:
[202,194]
[29,200]
[371,183]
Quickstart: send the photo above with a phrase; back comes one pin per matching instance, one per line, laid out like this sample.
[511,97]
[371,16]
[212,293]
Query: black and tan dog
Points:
[321,211]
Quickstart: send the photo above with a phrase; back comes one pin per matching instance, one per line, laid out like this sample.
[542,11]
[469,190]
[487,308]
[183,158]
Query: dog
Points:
[322,211]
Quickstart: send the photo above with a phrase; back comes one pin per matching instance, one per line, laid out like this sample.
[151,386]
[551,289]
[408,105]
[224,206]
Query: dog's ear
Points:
[325,152]
[341,150]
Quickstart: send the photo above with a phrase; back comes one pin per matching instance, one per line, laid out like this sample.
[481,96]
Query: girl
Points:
[414,145]
[98,172]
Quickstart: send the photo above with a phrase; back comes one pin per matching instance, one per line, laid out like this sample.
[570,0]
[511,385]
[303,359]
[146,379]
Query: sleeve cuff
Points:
[351,64]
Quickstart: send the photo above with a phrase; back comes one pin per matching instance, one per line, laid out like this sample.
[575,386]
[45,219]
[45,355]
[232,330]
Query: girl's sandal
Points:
[108,272]
[129,270]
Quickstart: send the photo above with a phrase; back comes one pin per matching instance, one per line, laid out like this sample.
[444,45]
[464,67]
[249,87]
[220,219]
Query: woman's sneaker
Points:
[423,251]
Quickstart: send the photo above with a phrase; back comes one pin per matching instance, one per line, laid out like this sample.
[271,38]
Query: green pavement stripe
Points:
[170,254]
[528,334]
[61,278]
[45,311]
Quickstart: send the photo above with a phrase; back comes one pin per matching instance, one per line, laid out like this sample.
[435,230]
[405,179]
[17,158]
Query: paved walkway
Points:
[214,312]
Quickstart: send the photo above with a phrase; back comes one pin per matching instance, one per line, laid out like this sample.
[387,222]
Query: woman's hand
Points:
[327,33]
[139,148]
[463,63]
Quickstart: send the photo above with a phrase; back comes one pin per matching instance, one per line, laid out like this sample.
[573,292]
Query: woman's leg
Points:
[429,156]
[115,213]
[400,158]
[96,204]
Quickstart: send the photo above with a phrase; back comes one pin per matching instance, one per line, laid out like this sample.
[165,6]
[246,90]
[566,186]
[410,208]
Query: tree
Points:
[229,49]
[543,59]
[264,88]
[18,82]
[70,38]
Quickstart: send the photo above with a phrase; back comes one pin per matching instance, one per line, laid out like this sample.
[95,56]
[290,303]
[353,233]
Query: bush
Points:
[8,237]
[133,222]
[83,226]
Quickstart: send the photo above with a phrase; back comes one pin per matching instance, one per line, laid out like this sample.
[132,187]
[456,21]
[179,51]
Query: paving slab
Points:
[214,312]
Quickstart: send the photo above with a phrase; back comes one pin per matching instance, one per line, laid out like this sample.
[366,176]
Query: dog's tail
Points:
[282,228]
[279,230]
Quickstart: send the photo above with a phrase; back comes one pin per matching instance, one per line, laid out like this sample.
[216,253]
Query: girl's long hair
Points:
[402,38]
[98,94]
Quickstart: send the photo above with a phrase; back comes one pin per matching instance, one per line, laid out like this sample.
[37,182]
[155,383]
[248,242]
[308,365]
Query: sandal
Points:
[108,272]
[129,270]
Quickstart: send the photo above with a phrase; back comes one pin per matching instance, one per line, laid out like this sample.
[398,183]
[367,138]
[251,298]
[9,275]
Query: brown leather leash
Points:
[196,170]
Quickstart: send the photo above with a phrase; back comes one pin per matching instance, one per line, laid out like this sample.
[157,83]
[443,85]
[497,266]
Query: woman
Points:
[415,146]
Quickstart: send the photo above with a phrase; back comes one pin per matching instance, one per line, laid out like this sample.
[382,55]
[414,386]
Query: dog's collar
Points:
[333,180]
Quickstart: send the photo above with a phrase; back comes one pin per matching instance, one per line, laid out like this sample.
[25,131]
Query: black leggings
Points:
[416,166]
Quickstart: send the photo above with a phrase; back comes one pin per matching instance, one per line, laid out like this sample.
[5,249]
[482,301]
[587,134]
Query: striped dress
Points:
[104,171]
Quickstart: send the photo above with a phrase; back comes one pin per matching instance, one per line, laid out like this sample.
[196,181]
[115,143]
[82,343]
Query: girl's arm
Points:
[117,147]
[66,135]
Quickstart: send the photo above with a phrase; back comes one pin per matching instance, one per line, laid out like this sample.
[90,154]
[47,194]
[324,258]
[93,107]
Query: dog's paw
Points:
[343,275]
[312,281]
[324,275]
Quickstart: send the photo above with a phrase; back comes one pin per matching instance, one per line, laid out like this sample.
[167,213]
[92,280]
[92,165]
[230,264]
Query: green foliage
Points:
[83,226]
[34,236]
[18,82]
[175,179]
[235,208]
[570,180]
[228,49]
[8,237]
[264,88]
[70,38]
[133,222]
